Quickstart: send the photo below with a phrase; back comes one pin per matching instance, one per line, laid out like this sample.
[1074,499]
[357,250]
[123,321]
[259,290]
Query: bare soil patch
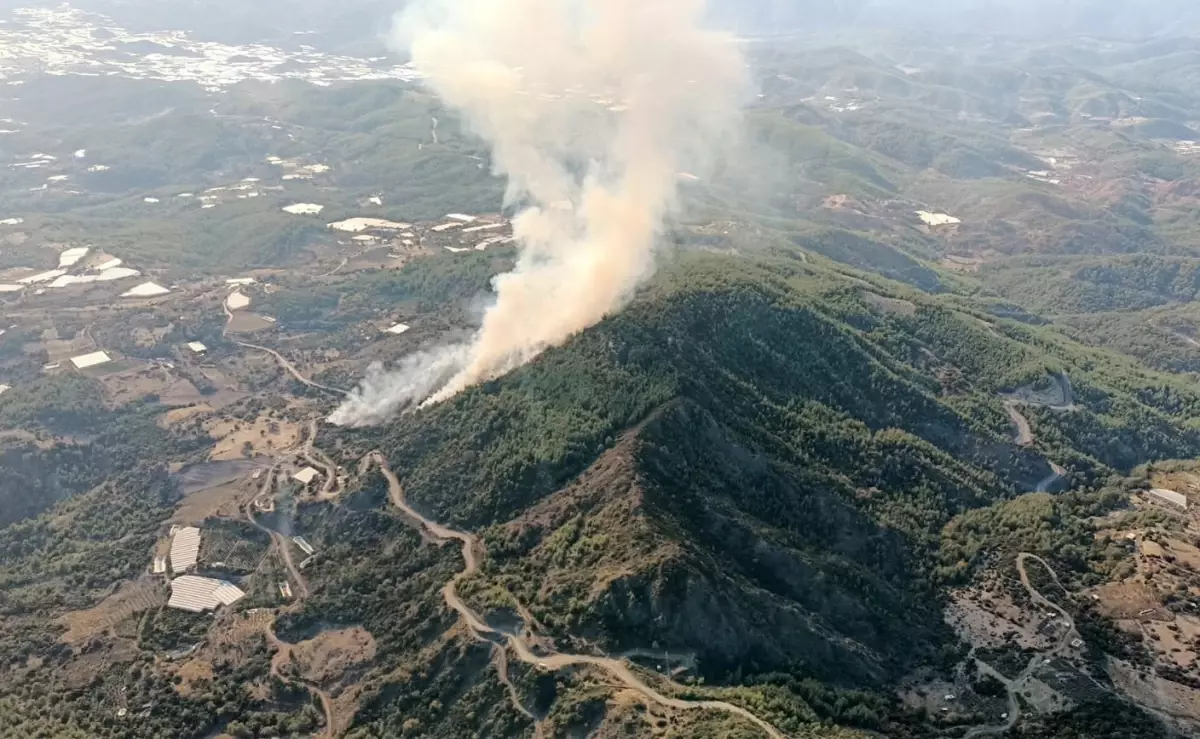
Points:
[956,263]
[176,416]
[326,658]
[990,619]
[1183,482]
[1151,690]
[20,435]
[142,380]
[232,639]
[60,350]
[1128,600]
[1171,645]
[244,323]
[224,501]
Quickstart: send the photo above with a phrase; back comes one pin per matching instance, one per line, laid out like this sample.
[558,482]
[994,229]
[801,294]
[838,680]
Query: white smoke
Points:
[592,109]
[383,393]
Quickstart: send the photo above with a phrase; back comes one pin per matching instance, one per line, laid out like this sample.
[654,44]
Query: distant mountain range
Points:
[1026,18]
[336,23]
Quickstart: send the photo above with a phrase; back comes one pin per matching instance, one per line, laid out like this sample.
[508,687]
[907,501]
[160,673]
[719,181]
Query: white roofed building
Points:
[1170,497]
[197,347]
[237,300]
[199,594]
[358,225]
[185,549]
[94,359]
[306,475]
[144,290]
[71,257]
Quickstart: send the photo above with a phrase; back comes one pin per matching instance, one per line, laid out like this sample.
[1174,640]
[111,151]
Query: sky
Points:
[366,21]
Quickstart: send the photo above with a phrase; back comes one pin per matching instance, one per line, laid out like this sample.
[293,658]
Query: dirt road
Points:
[284,649]
[1057,474]
[1025,438]
[1036,661]
[283,656]
[1024,431]
[281,544]
[315,457]
[615,668]
[283,361]
[500,658]
[291,368]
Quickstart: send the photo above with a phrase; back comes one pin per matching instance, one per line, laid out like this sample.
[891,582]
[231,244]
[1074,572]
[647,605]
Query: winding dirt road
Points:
[1057,473]
[291,368]
[1024,431]
[1036,661]
[500,658]
[282,360]
[1025,438]
[317,458]
[283,656]
[471,558]
[480,630]
[284,649]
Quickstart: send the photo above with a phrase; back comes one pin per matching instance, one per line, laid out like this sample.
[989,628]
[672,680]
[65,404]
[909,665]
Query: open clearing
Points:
[263,435]
[889,305]
[177,416]
[138,382]
[992,619]
[244,323]
[224,501]
[327,657]
[129,598]
[1154,691]
[1127,600]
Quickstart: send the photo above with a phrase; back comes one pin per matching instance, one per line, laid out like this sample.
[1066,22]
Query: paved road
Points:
[618,669]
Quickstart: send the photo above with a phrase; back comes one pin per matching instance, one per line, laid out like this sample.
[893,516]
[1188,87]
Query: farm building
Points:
[199,594]
[145,290]
[185,549]
[94,359]
[1169,497]
[306,475]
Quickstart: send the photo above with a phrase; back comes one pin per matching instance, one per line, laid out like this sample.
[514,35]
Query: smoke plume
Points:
[592,109]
